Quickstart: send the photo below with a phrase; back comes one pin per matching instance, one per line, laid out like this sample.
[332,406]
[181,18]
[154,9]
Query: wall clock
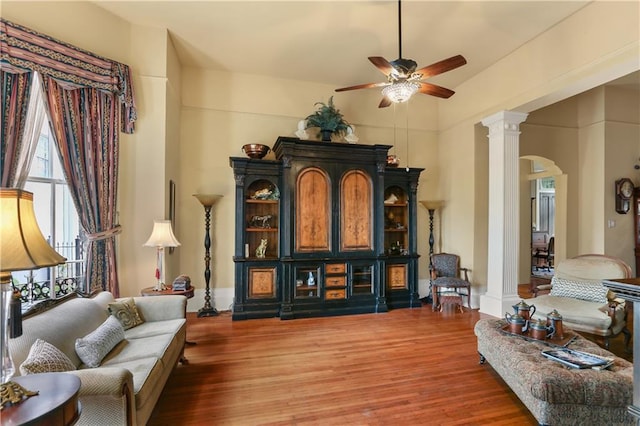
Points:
[624,192]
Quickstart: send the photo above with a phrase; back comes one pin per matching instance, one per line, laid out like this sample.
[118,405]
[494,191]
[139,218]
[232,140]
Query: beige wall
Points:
[594,139]
[534,76]
[191,121]
[223,111]
[622,152]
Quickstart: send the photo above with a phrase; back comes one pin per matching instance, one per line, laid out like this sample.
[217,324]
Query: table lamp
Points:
[161,237]
[22,247]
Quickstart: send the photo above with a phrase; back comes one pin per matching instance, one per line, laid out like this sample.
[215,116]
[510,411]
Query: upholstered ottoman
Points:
[555,394]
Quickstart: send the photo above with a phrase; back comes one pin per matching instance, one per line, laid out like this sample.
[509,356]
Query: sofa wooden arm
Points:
[613,306]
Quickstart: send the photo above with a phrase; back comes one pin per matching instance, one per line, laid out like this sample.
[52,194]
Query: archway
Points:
[545,168]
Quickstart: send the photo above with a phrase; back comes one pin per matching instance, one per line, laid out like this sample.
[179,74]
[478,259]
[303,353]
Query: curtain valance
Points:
[23,50]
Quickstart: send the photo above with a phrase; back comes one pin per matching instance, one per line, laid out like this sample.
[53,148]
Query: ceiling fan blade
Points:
[432,89]
[385,102]
[362,86]
[442,66]
[382,64]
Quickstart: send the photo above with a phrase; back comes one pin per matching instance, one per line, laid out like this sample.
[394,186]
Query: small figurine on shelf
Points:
[263,221]
[311,281]
[262,249]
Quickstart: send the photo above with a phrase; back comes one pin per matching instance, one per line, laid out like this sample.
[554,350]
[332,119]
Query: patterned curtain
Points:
[86,97]
[15,100]
[84,123]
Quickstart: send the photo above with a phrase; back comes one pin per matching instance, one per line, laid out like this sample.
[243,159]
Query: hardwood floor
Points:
[405,366]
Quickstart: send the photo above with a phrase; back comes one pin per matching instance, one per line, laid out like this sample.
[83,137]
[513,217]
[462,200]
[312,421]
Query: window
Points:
[58,221]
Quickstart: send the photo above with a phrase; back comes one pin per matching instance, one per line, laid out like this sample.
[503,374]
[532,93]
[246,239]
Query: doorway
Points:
[547,218]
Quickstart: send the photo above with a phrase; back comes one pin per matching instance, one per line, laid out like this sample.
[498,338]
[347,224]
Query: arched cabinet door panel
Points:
[313,211]
[356,211]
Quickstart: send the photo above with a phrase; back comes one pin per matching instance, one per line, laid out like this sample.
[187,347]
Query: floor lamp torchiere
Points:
[207,200]
[431,206]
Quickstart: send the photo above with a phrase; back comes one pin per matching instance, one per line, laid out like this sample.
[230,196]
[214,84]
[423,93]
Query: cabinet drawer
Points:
[340,293]
[336,268]
[335,281]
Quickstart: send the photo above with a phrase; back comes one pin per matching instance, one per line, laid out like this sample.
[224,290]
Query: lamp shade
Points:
[162,235]
[432,204]
[22,245]
[207,200]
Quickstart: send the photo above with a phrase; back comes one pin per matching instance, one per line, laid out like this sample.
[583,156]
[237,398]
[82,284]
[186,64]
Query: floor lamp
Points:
[207,200]
[431,206]
[23,247]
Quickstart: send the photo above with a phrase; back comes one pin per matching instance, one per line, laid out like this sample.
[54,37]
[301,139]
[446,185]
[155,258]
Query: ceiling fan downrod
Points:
[399,29]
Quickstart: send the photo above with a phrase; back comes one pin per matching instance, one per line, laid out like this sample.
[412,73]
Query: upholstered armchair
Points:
[577,293]
[447,281]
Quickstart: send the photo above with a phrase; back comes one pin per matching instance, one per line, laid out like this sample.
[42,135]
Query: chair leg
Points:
[627,339]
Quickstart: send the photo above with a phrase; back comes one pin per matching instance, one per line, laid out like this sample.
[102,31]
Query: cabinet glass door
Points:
[361,279]
[307,281]
[261,218]
[396,221]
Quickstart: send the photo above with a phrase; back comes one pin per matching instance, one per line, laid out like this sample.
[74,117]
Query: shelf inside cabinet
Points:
[262,229]
[253,201]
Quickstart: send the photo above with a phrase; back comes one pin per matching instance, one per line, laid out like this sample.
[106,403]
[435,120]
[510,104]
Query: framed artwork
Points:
[172,208]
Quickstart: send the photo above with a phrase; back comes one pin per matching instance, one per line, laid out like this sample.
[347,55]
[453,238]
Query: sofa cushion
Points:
[577,315]
[155,328]
[93,347]
[147,373]
[157,346]
[45,358]
[583,290]
[126,312]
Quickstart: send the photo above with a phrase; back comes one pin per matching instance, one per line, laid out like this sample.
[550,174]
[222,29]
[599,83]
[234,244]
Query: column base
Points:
[498,306]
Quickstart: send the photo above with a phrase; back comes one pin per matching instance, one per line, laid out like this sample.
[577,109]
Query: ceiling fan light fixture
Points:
[400,91]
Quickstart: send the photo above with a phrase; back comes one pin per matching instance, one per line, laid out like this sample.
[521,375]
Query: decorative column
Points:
[504,180]
[431,207]
[207,200]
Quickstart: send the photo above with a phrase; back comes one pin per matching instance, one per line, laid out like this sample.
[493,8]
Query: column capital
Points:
[505,120]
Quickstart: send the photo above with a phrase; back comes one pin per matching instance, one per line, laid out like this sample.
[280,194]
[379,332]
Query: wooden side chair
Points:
[448,286]
[546,256]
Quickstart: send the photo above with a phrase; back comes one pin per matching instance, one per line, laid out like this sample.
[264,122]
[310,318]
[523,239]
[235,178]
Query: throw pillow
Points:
[126,312]
[45,358]
[93,347]
[583,290]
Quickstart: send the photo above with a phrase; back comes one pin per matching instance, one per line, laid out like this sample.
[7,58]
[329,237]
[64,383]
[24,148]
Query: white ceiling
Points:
[329,41]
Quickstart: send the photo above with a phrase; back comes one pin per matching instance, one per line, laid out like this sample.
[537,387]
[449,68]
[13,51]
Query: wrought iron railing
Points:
[69,276]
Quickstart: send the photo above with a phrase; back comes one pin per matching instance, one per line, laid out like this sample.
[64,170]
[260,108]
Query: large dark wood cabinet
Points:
[325,229]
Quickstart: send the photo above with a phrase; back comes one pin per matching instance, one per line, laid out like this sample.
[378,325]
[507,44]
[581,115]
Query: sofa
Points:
[121,385]
[586,306]
[558,395]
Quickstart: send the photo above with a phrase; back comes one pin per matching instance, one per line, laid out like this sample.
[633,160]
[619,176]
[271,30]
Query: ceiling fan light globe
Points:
[400,91]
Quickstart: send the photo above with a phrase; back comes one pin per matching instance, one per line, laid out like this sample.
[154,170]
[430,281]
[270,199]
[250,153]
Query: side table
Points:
[151,291]
[56,403]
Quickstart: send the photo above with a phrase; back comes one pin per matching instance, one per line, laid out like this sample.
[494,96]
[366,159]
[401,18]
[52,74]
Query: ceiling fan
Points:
[403,80]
